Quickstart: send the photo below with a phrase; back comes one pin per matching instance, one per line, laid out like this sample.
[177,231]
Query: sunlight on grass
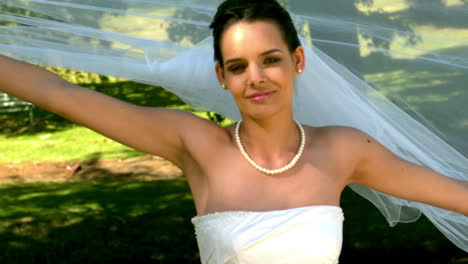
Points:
[396,5]
[464,123]
[132,221]
[75,143]
[402,80]
[97,221]
[130,186]
[81,199]
[67,222]
[60,140]
[431,38]
[226,122]
[383,5]
[436,43]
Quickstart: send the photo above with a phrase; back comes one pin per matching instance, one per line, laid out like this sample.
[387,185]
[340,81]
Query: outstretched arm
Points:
[380,169]
[156,131]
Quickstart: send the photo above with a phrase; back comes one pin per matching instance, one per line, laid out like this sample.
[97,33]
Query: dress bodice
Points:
[311,235]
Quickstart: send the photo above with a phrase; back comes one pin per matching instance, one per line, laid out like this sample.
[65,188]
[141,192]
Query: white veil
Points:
[413,53]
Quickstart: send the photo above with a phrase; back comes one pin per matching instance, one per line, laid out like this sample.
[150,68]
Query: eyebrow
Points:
[261,54]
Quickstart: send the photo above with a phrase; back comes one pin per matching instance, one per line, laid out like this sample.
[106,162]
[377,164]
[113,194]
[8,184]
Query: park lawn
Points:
[97,222]
[54,138]
[76,143]
[149,222]
[73,143]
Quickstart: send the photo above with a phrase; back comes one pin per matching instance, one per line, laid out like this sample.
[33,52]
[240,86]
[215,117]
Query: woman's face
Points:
[259,70]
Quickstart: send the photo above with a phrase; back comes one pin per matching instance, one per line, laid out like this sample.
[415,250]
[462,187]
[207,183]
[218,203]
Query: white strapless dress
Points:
[311,235]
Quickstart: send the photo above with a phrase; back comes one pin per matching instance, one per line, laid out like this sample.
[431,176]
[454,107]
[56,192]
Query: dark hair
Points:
[233,11]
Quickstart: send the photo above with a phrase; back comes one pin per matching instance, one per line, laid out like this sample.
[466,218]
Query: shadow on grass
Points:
[101,222]
[369,239]
[149,222]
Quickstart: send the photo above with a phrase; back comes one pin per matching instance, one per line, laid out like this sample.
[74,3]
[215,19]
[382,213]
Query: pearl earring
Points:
[299,70]
[224,86]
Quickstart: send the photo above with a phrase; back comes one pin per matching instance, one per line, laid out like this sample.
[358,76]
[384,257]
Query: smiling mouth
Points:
[258,97]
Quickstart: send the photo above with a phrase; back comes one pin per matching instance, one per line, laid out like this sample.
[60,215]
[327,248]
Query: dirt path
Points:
[143,168]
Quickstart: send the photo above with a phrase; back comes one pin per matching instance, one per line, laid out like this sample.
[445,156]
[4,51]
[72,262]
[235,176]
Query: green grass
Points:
[99,222]
[53,138]
[74,143]
[149,222]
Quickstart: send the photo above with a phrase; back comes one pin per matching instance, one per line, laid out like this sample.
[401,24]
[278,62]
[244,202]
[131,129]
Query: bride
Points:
[267,189]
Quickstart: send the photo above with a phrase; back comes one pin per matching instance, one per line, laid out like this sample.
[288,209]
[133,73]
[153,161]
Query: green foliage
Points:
[83,78]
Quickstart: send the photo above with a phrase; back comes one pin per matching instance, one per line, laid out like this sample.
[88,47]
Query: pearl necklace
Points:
[276,171]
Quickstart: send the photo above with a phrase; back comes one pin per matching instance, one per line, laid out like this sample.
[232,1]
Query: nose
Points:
[256,75]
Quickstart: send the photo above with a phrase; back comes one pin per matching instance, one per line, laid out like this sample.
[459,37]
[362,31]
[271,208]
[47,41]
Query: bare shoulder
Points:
[350,142]
[196,129]
[344,147]
[172,134]
[342,136]
[200,129]
[202,136]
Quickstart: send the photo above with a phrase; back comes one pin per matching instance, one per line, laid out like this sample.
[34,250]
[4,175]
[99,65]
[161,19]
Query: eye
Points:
[237,68]
[271,60]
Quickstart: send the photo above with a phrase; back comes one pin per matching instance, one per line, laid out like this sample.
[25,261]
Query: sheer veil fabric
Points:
[397,71]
